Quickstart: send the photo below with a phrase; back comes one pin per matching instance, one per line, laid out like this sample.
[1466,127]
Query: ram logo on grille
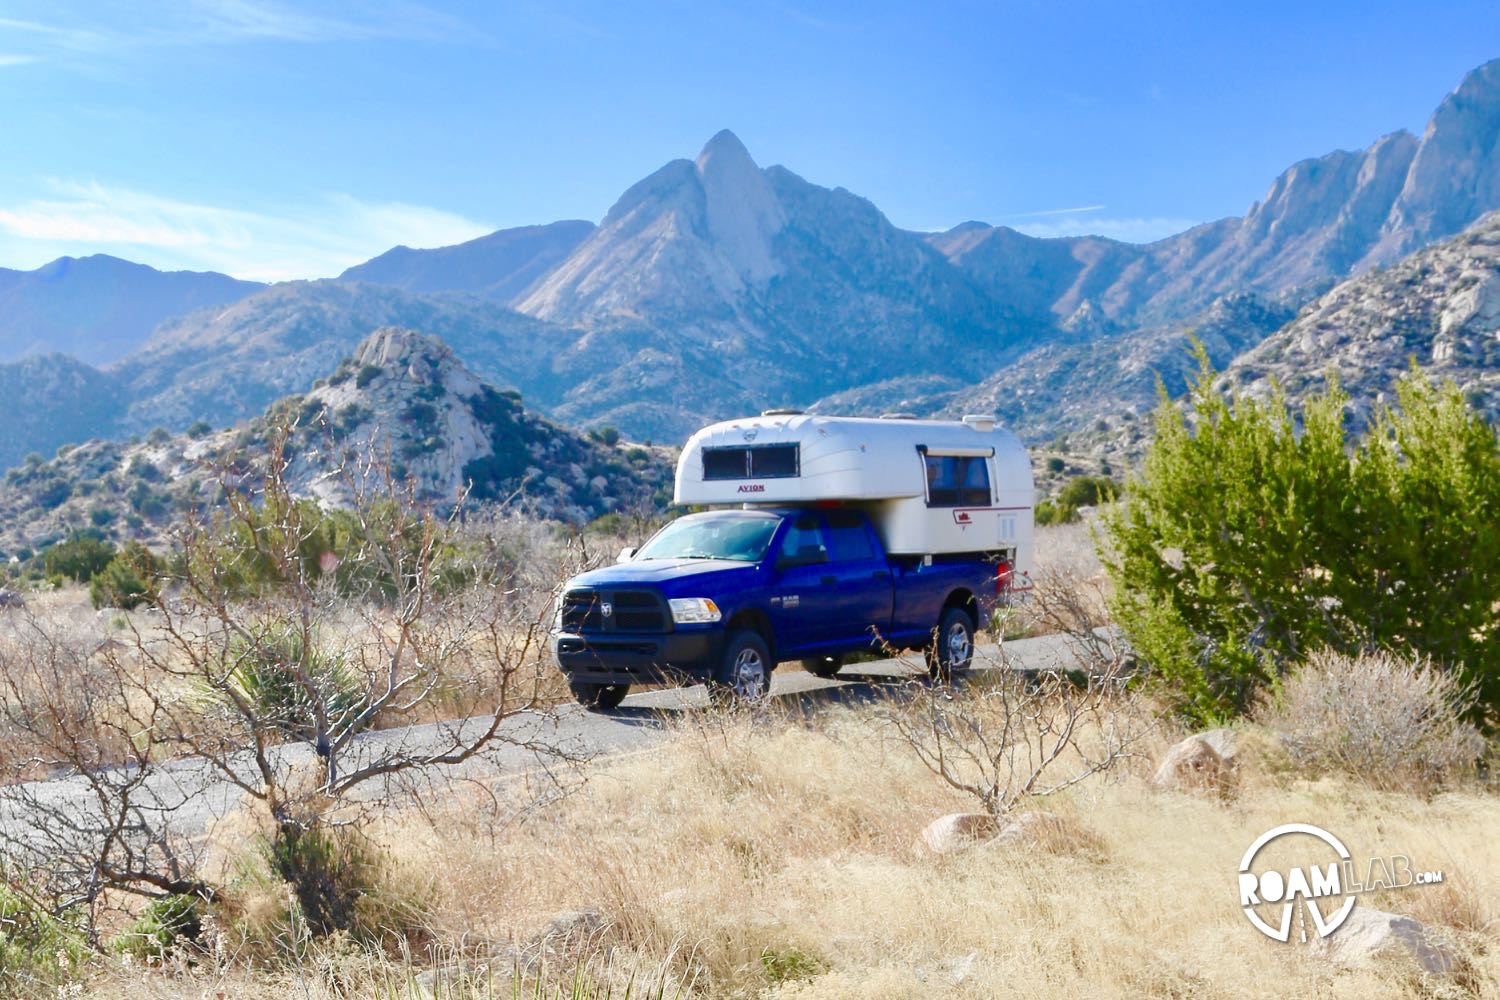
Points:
[606,609]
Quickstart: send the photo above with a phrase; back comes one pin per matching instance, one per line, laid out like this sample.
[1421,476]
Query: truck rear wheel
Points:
[952,649]
[599,697]
[823,666]
[744,675]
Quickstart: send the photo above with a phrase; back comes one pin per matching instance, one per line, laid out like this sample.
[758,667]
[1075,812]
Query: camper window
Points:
[767,461]
[957,481]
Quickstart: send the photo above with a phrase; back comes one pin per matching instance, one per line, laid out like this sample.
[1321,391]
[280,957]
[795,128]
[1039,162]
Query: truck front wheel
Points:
[744,675]
[599,697]
[952,649]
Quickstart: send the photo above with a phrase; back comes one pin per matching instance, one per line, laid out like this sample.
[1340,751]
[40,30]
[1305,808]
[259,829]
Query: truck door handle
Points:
[829,581]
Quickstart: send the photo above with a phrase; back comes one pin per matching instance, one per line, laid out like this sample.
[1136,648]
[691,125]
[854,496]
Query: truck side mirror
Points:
[626,554]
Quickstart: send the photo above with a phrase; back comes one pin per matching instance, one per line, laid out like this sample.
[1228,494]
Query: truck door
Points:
[803,600]
[861,578]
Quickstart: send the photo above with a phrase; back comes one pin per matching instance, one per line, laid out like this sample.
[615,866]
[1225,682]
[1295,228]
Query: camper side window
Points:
[769,461]
[957,481]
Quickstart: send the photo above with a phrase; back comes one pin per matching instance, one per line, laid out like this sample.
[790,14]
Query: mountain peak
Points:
[1481,83]
[724,148]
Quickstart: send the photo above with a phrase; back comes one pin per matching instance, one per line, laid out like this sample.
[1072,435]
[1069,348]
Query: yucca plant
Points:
[281,670]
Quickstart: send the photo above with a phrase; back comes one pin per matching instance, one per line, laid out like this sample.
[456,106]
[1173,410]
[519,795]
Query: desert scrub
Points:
[1393,721]
[38,951]
[1256,533]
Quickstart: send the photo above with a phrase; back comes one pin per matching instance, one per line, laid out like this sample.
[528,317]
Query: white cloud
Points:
[16,59]
[1059,211]
[303,241]
[98,31]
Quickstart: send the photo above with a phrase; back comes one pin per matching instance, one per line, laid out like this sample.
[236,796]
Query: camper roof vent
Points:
[781,412]
[898,416]
[980,422]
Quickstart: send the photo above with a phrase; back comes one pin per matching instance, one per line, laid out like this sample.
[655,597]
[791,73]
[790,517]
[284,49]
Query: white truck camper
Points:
[931,487]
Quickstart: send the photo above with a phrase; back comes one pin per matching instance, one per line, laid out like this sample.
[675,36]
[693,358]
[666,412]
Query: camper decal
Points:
[753,488]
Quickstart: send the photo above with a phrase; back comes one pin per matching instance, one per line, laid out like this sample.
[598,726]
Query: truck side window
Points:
[957,481]
[803,543]
[848,537]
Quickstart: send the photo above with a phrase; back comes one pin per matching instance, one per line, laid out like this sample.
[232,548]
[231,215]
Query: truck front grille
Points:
[629,611]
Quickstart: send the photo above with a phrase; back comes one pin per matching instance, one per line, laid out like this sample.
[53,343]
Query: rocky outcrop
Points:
[1204,762]
[1440,306]
[401,403]
[1454,177]
[957,831]
[1369,935]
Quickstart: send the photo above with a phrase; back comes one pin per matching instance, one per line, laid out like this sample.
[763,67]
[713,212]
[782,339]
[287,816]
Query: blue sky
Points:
[277,140]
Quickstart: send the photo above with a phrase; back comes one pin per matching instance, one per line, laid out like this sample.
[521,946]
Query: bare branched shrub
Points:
[1393,721]
[281,638]
[1014,737]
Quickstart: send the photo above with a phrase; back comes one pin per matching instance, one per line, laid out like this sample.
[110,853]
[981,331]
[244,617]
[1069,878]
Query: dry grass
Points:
[765,858]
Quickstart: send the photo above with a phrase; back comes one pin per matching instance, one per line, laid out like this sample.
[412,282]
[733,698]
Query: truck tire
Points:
[952,649]
[744,675]
[599,697]
[823,666]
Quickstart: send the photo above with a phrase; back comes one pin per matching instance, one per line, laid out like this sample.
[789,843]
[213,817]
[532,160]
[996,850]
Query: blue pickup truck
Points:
[723,596]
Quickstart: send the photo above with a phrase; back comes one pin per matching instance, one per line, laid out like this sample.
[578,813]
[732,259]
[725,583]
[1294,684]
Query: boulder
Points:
[1048,831]
[1202,762]
[1369,934]
[957,831]
[11,599]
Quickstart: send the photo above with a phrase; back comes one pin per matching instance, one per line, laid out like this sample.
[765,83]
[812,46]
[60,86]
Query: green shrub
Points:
[366,375]
[1056,465]
[289,679]
[199,429]
[1252,536]
[79,558]
[1081,491]
[128,581]
[161,927]
[607,436]
[38,952]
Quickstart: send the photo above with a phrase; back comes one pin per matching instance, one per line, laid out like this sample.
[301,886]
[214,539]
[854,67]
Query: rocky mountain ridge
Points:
[401,404]
[715,287]
[98,309]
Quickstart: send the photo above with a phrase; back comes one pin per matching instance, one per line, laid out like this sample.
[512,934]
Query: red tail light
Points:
[1002,577]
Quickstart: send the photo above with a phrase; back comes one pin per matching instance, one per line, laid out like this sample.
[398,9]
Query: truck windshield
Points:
[738,535]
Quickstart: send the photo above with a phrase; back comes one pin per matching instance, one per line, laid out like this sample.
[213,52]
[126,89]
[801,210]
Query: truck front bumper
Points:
[618,658]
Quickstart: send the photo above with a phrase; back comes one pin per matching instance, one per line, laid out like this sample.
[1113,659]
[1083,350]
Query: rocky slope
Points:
[401,401]
[1323,219]
[100,308]
[228,364]
[1439,306]
[52,400]
[774,289]
[715,287]
[498,267]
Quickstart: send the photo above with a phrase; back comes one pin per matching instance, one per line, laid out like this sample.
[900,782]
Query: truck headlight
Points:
[694,610]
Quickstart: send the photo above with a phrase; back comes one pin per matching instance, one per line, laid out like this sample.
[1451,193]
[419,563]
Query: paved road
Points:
[195,796]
